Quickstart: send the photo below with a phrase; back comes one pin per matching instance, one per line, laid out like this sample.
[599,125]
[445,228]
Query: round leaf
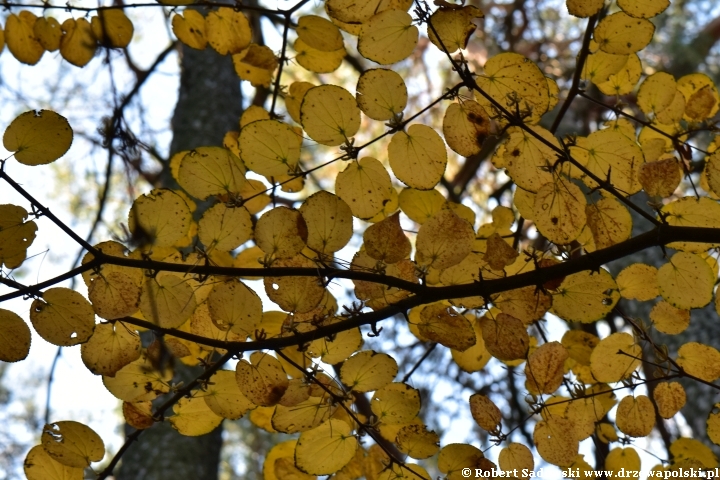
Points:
[418,157]
[38,137]
[330,115]
[63,317]
[14,337]
[325,449]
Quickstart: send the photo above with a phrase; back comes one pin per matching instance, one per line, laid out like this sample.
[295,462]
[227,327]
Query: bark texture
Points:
[209,104]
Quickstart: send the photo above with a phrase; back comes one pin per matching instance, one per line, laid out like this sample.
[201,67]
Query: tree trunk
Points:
[209,104]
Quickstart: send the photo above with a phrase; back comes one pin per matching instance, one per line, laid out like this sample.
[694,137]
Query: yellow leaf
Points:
[388,37]
[318,61]
[466,125]
[20,38]
[367,371]
[635,416]
[263,381]
[114,295]
[338,349]
[304,416]
[111,347]
[444,240]
[615,358]
[386,240]
[325,449]
[137,381]
[365,186]
[38,137]
[698,360]
[193,417]
[224,398]
[358,11]
[227,31]
[624,81]
[524,202]
[254,195]
[224,228]
[381,94]
[586,296]
[555,441]
[281,232]
[395,403]
[138,414]
[691,449]
[329,222]
[72,443]
[78,44]
[622,461]
[657,92]
[638,282]
[559,211]
[474,358]
[515,82]
[294,294]
[189,28]
[713,427]
[668,319]
[454,26]
[485,412]
[692,212]
[329,115]
[453,458]
[610,154]
[319,33]
[417,441]
[505,337]
[112,28]
[256,64]
[609,221]
[48,33]
[420,205]
[686,281]
[660,178]
[441,323]
[621,34]
[701,97]
[669,397]
[279,451]
[15,235]
[579,345]
[526,304]
[63,317]
[600,66]
[499,254]
[516,457]
[584,8]
[584,413]
[14,337]
[294,98]
[545,368]
[270,148]
[528,160]
[160,218]
[41,466]
[643,8]
[235,307]
[167,300]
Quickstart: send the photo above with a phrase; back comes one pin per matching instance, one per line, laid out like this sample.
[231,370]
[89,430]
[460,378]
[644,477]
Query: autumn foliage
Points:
[474,280]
